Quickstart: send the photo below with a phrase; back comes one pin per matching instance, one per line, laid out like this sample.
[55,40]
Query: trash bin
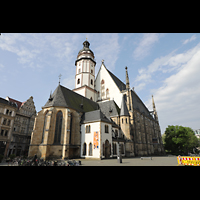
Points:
[119,158]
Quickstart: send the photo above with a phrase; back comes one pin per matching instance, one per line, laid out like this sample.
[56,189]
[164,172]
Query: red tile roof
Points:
[19,104]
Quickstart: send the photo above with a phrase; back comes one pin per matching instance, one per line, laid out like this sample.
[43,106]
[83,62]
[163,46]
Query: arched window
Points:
[126,121]
[122,120]
[90,149]
[58,129]
[78,81]
[107,93]
[45,122]
[91,82]
[84,149]
[103,89]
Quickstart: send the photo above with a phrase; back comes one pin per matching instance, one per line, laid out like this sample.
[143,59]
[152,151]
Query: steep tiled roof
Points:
[109,108]
[118,82]
[65,97]
[19,103]
[4,101]
[95,115]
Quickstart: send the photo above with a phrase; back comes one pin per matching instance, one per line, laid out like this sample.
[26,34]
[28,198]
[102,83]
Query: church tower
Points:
[85,72]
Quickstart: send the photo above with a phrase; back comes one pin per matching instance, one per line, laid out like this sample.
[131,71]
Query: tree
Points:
[179,140]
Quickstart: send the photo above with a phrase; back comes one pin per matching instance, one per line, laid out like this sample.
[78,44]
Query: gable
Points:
[111,84]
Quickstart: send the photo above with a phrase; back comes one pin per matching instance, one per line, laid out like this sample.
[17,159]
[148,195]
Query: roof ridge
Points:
[119,83]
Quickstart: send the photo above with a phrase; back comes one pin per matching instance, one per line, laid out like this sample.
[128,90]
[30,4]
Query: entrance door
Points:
[107,149]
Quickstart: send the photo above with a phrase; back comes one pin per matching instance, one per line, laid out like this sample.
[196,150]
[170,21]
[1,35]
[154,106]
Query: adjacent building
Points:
[7,115]
[22,127]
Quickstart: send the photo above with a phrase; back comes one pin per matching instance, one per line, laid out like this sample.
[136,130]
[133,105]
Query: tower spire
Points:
[154,109]
[127,79]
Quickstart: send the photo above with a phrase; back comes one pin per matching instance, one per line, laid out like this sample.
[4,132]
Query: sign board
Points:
[96,140]
[187,160]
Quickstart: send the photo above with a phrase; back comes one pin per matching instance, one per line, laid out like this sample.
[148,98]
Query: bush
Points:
[1,158]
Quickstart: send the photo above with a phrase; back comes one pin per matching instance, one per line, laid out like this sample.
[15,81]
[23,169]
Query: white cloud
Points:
[145,45]
[190,39]
[171,62]
[177,100]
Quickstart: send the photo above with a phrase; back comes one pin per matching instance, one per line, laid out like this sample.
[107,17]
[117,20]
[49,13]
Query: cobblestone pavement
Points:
[156,161]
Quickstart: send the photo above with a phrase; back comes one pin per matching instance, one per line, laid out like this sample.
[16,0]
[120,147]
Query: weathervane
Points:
[59,78]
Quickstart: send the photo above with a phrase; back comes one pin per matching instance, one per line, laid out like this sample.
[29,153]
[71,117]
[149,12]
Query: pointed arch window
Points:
[90,149]
[103,89]
[44,127]
[84,149]
[58,129]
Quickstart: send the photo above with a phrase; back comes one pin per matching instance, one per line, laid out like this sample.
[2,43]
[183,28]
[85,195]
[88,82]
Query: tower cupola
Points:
[85,72]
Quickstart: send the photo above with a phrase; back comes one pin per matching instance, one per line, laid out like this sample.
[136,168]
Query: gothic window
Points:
[103,89]
[91,71]
[90,149]
[79,71]
[78,81]
[91,82]
[45,122]
[122,120]
[107,93]
[126,121]
[84,149]
[58,130]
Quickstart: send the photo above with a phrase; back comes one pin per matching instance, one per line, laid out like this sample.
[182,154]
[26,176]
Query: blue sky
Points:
[166,65]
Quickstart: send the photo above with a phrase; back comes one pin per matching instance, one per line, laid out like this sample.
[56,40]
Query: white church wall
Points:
[90,94]
[89,138]
[114,92]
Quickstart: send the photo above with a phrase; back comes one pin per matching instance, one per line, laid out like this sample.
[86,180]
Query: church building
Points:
[101,117]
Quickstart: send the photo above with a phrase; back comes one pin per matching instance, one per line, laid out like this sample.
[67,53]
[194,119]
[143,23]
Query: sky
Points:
[165,65]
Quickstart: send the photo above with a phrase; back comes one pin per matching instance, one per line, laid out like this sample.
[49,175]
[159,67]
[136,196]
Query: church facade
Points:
[97,119]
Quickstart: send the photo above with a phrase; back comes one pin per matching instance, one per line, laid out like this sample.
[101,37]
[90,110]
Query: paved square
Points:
[156,161]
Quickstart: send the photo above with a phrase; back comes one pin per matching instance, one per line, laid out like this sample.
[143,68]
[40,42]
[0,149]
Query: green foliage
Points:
[179,140]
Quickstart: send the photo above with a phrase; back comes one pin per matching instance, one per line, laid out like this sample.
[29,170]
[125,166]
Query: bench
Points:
[146,158]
